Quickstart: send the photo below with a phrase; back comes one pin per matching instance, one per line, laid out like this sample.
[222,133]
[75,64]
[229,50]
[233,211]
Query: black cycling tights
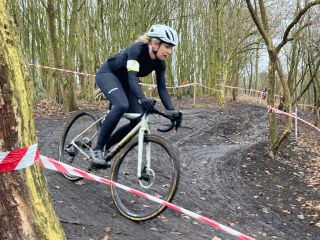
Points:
[122,100]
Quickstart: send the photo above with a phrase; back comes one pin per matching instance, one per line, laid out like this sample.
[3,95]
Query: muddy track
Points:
[223,177]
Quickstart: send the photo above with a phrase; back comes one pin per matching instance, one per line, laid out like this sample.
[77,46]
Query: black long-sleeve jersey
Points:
[135,60]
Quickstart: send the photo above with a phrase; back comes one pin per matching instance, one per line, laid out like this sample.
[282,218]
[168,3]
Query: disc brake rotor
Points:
[148,179]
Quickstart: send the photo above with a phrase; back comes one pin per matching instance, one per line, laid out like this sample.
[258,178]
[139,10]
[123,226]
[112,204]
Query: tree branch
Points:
[310,81]
[293,23]
[258,23]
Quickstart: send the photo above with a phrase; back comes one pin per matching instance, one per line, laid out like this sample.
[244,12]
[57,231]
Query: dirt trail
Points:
[225,176]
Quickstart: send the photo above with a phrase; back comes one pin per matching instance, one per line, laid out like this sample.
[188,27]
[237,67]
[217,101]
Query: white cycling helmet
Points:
[164,34]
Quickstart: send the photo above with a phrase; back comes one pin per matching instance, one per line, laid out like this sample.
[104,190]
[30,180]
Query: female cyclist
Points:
[118,80]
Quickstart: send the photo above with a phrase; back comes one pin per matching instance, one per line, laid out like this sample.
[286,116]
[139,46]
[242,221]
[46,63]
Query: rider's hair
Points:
[147,40]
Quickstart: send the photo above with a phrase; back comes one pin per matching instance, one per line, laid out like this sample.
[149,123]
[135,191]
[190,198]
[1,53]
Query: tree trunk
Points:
[26,206]
[288,108]
[271,101]
[69,86]
[223,84]
[55,51]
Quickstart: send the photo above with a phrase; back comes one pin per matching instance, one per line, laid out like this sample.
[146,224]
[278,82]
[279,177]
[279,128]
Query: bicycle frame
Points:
[141,129]
[79,136]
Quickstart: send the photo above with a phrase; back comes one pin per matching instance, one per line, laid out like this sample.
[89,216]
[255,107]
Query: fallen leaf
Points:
[162,218]
[317,224]
[267,172]
[157,195]
[263,234]
[287,211]
[301,216]
[105,238]
[265,210]
[216,238]
[107,230]
[80,182]
[186,217]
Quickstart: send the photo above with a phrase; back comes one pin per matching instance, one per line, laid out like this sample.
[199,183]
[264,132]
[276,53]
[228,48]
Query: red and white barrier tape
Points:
[306,105]
[62,70]
[209,87]
[152,86]
[186,85]
[25,157]
[18,159]
[273,109]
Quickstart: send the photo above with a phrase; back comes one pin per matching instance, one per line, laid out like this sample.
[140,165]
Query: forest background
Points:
[242,43]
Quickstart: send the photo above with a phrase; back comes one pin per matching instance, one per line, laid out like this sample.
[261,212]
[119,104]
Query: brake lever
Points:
[174,123]
[164,115]
[166,129]
[177,125]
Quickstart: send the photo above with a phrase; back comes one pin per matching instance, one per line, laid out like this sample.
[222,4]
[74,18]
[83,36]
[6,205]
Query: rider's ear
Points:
[155,46]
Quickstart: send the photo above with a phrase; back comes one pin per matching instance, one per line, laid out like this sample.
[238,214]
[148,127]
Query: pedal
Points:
[70,150]
[98,166]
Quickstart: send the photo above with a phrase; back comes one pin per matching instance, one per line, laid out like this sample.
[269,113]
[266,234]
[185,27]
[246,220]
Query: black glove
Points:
[178,120]
[175,117]
[147,105]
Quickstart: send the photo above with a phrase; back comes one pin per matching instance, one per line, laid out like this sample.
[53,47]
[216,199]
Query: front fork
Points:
[143,130]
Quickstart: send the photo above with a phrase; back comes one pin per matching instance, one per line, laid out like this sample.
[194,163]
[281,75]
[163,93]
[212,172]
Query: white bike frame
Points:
[141,129]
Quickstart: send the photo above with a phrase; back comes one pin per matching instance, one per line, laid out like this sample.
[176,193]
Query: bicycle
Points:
[146,163]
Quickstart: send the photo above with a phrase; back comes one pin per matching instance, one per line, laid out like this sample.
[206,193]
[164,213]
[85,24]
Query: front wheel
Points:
[160,179]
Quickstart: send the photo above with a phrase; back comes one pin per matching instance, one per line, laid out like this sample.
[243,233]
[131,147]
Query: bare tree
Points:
[260,18]
[26,205]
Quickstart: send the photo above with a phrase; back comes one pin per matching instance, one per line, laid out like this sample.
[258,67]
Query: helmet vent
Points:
[168,35]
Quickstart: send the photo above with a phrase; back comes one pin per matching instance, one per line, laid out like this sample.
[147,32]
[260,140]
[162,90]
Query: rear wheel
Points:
[160,180]
[79,136]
